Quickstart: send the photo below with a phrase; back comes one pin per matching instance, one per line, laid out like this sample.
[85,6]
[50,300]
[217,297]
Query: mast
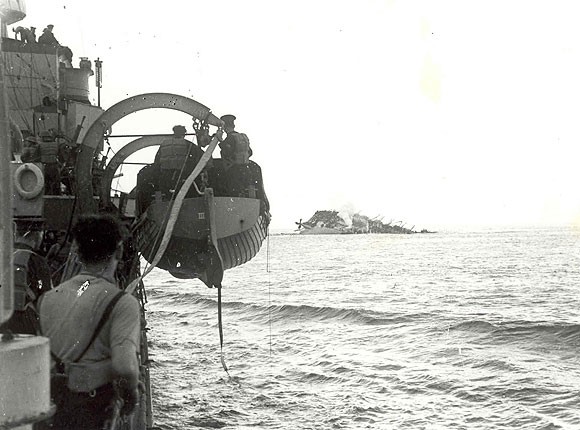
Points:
[99,79]
[6,281]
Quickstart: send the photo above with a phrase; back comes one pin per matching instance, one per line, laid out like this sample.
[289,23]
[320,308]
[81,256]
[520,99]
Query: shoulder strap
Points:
[103,320]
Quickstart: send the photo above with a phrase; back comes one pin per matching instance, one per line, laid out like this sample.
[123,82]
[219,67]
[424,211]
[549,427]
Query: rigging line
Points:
[118,184]
[52,75]
[269,286]
[30,67]
[106,139]
[14,88]
[14,101]
[21,90]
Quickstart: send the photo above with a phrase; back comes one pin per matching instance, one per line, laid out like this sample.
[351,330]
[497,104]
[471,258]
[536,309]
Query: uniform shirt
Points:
[230,149]
[70,313]
[47,38]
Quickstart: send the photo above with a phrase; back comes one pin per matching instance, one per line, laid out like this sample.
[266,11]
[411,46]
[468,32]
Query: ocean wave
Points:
[276,313]
[323,314]
[474,326]
[569,333]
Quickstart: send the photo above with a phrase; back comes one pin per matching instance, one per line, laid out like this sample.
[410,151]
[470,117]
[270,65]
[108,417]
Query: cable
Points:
[269,286]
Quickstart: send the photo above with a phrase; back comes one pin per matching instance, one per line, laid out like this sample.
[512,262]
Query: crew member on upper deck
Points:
[47,36]
[26,35]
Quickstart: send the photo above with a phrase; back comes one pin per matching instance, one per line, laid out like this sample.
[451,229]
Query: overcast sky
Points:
[438,114]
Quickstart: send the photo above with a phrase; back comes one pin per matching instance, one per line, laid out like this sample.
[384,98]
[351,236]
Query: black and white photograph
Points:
[292,215]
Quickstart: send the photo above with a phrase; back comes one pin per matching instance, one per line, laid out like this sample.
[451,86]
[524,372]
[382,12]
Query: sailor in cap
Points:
[236,153]
[47,37]
[236,146]
[228,119]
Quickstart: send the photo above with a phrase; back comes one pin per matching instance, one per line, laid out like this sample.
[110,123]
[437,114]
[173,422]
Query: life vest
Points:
[23,294]
[173,153]
[241,150]
[48,152]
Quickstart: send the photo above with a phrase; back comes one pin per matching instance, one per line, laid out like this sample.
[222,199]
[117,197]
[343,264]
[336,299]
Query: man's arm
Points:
[125,339]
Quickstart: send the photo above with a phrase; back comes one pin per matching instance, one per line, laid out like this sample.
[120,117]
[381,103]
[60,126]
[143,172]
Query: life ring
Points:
[19,185]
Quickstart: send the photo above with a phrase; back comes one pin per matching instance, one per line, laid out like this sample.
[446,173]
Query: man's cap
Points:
[228,119]
[50,26]
[179,128]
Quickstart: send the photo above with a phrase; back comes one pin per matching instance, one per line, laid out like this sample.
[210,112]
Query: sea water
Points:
[452,330]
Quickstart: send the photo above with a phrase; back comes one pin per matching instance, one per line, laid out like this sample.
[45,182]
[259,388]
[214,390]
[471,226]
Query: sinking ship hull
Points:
[322,230]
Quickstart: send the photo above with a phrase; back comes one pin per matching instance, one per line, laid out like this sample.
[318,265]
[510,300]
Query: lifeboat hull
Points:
[240,228]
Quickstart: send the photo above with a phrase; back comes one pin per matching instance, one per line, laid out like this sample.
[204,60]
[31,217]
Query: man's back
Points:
[236,148]
[94,331]
[70,314]
[173,152]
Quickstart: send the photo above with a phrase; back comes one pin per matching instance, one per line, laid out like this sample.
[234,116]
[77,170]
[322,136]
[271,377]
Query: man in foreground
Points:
[94,331]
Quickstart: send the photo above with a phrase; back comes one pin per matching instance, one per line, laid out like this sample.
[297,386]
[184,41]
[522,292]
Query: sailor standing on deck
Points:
[94,331]
[47,36]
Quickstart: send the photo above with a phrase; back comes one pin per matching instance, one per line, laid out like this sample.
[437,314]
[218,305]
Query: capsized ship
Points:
[333,222]
[55,168]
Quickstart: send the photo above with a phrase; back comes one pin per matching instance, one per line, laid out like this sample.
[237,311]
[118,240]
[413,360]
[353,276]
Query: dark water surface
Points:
[463,330]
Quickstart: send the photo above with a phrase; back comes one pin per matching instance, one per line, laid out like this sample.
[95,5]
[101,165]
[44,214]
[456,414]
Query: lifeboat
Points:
[191,232]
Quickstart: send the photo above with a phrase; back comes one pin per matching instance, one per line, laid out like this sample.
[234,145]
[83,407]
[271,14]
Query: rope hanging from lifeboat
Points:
[173,215]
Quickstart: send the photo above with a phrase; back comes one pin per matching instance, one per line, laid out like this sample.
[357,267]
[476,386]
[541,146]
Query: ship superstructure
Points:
[54,169]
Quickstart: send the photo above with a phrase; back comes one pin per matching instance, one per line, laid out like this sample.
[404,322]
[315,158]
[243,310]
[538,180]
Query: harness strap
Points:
[60,365]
